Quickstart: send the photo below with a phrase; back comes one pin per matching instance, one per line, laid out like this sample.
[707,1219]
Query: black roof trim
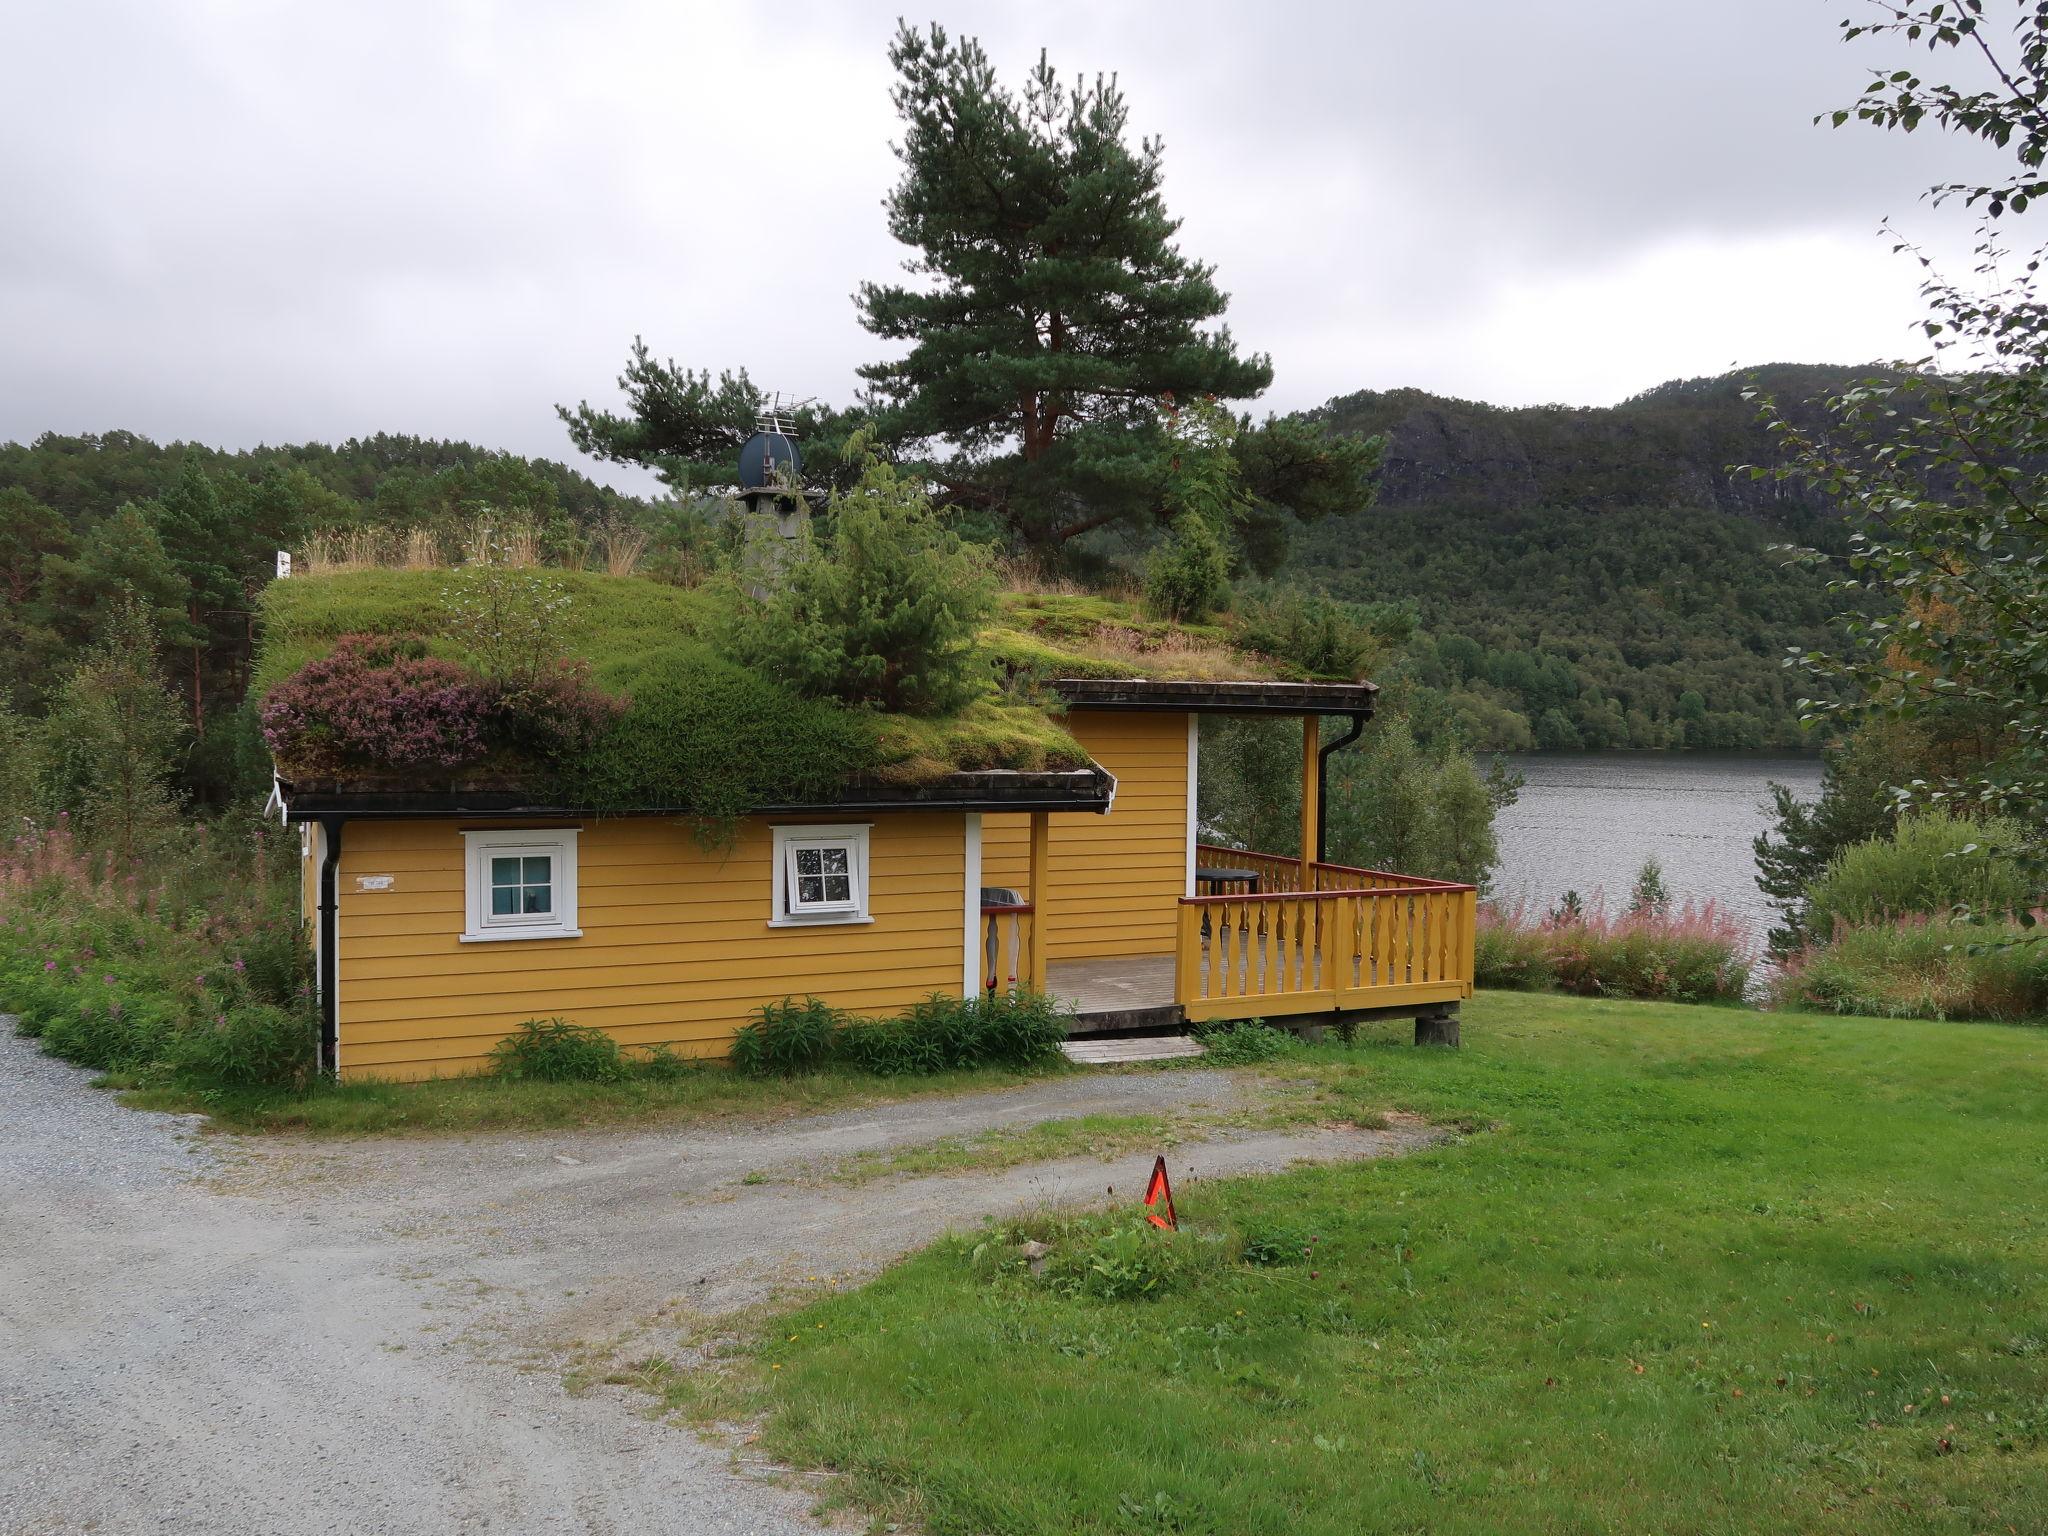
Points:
[1081,789]
[1218,698]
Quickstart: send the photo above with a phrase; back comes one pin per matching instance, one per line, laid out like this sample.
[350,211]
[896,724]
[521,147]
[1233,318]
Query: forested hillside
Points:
[1579,577]
[1590,577]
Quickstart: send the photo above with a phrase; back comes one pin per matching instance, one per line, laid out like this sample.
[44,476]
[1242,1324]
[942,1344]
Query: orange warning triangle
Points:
[1159,1192]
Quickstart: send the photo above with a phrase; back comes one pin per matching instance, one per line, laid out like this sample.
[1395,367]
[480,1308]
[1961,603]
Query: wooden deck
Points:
[1289,941]
[1121,993]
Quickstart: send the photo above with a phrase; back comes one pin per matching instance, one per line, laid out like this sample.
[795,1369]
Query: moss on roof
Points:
[738,738]
[1066,634]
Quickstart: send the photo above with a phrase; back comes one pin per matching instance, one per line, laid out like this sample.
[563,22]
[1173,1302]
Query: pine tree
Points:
[884,611]
[201,536]
[121,559]
[1051,315]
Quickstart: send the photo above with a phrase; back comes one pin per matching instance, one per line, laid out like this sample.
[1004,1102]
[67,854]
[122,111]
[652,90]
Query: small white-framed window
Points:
[821,876]
[520,884]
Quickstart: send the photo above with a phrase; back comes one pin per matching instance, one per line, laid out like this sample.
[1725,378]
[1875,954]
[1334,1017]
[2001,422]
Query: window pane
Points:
[835,860]
[504,871]
[539,898]
[504,900]
[838,888]
[810,890]
[807,861]
[538,870]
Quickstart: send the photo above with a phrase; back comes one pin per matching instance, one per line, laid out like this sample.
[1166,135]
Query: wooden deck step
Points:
[1108,1053]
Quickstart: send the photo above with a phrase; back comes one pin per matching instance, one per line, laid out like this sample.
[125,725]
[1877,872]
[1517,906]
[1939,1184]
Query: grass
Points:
[460,1106]
[1709,1271]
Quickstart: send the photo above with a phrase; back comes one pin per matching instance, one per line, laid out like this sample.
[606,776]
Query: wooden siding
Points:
[676,947]
[1116,880]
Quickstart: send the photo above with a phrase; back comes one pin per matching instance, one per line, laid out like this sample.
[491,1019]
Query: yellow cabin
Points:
[442,918]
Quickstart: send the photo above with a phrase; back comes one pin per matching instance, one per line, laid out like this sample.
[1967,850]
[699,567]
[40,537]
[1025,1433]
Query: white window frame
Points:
[479,925]
[854,837]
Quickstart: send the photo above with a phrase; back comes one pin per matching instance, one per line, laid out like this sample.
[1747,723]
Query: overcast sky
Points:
[242,222]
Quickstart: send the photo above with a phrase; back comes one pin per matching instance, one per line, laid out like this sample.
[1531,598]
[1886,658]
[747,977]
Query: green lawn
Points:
[1703,1271]
[462,1106]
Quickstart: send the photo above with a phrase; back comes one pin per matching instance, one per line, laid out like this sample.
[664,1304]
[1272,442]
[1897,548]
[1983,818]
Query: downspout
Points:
[1323,783]
[328,979]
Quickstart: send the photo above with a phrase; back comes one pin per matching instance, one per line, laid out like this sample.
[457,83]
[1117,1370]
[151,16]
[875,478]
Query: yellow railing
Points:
[1293,952]
[1277,873]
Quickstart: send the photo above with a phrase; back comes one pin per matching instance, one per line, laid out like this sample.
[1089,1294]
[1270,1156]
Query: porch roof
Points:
[1217,698]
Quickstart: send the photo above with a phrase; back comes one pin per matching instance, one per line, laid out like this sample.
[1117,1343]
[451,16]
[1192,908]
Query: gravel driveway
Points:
[269,1336]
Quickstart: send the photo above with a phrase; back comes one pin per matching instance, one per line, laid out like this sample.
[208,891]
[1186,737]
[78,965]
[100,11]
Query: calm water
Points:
[1586,822]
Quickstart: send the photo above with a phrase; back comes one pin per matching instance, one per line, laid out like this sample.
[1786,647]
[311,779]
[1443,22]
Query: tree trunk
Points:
[198,699]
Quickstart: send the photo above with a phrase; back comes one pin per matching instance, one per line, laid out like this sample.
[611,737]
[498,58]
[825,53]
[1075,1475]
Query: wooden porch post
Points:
[1041,878]
[1311,741]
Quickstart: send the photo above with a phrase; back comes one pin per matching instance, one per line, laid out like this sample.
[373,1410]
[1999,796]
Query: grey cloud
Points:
[248,222]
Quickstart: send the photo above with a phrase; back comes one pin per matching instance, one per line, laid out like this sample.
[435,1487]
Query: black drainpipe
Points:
[1323,783]
[330,958]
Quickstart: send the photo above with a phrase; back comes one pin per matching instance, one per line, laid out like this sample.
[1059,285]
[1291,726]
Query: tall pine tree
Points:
[1050,315]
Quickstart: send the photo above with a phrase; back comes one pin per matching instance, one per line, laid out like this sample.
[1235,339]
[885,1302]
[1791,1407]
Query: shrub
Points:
[556,1051]
[1929,865]
[786,1037]
[277,962]
[375,702]
[158,979]
[942,1033]
[662,1064]
[555,714]
[251,1045]
[885,611]
[1242,1043]
[1511,955]
[1187,577]
[1311,633]
[109,1032]
[1695,954]
[1918,968]
[707,733]
[1019,1029]
[1132,1261]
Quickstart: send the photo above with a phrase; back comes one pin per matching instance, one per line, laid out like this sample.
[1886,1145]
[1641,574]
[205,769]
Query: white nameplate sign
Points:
[375,882]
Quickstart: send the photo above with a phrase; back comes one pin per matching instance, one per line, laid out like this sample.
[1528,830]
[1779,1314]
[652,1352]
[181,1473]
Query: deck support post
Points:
[1041,905]
[1311,776]
[1439,1026]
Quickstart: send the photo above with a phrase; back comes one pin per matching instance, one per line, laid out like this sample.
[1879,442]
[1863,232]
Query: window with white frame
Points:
[520,884]
[821,875]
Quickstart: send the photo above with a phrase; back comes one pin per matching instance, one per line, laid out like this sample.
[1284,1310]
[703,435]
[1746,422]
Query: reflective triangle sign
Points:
[1159,1193]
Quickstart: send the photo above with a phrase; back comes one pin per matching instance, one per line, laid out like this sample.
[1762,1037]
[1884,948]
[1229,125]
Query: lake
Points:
[1586,822]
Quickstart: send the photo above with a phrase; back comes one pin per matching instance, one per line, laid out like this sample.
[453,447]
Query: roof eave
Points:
[1083,789]
[1217,698]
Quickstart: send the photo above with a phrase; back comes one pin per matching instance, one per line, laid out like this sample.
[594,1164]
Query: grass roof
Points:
[739,738]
